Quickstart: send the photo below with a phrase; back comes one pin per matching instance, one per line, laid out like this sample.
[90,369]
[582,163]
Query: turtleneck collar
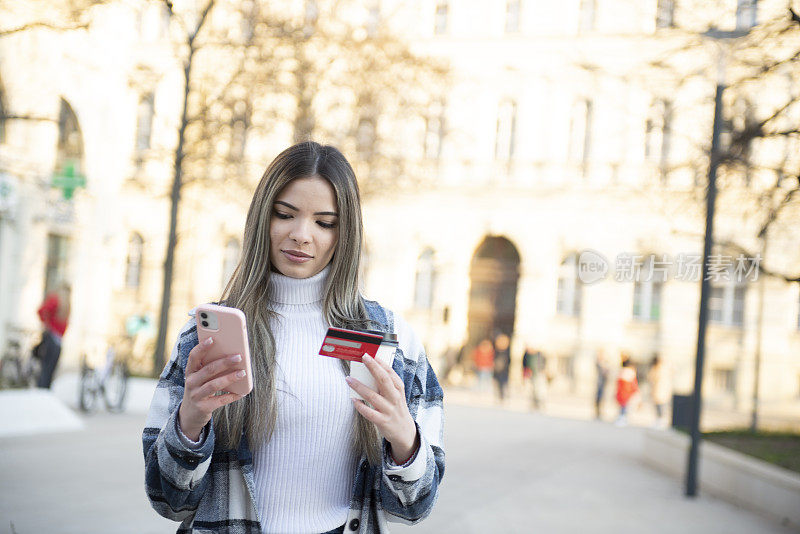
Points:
[288,290]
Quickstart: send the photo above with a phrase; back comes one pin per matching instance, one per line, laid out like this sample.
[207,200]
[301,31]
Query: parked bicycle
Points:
[19,368]
[109,382]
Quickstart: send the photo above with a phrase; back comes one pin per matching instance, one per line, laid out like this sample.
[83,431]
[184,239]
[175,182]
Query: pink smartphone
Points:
[228,327]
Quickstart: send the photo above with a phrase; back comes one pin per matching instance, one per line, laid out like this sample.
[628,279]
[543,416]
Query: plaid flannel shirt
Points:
[210,489]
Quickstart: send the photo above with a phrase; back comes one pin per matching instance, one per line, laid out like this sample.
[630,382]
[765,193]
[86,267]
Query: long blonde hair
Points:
[249,289]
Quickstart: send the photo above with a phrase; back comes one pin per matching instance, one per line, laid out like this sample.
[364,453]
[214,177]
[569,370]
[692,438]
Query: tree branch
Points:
[45,25]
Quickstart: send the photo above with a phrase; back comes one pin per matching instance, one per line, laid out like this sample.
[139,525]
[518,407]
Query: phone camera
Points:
[205,323]
[204,315]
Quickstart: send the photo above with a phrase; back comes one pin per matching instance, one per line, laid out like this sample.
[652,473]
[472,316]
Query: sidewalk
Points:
[567,406]
[508,471]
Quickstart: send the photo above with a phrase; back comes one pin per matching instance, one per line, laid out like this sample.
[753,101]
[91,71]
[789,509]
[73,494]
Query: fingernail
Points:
[240,374]
[236,358]
[208,341]
[348,379]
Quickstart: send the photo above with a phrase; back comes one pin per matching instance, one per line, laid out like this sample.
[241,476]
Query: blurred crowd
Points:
[487,369]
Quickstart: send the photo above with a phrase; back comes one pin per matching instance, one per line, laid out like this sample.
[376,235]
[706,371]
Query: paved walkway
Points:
[507,472]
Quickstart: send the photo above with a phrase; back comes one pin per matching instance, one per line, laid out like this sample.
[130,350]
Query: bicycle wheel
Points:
[33,369]
[10,372]
[87,394]
[115,387]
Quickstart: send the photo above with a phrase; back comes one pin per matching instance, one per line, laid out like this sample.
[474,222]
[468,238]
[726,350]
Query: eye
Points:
[327,225]
[280,215]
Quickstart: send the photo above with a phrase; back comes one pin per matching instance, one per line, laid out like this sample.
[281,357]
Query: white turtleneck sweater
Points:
[304,475]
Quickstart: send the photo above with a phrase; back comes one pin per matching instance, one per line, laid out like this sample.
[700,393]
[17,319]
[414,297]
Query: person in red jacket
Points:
[627,387]
[483,358]
[54,314]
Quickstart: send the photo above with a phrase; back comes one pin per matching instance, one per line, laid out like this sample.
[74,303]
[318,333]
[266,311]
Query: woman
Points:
[54,314]
[627,389]
[296,454]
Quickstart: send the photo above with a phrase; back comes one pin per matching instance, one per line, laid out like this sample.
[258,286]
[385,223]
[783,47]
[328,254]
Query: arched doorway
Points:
[494,274]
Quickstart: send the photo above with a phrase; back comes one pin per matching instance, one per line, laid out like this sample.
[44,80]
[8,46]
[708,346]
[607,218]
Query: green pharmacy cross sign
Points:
[69,180]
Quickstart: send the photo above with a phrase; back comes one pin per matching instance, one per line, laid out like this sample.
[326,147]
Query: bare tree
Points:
[250,66]
[759,167]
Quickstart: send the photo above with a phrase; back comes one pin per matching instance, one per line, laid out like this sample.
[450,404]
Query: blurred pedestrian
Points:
[602,379]
[627,388]
[502,363]
[483,357]
[660,389]
[54,314]
[534,368]
[527,364]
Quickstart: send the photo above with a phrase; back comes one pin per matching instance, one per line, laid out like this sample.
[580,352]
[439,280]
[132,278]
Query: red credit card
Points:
[349,344]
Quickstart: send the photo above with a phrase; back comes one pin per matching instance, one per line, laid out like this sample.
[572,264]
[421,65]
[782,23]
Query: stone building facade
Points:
[554,140]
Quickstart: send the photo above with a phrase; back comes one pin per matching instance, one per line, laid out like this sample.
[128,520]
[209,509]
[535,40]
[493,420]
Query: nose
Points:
[300,232]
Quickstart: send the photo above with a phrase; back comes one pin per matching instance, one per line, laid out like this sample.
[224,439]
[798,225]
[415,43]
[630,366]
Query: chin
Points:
[298,271]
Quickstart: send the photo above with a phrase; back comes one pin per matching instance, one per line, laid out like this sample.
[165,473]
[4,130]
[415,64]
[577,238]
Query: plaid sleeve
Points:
[174,471]
[409,491]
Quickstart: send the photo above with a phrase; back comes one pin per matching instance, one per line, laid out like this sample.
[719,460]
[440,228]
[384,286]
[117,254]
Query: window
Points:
[724,380]
[440,21]
[69,152]
[746,14]
[144,122]
[658,131]
[568,299]
[580,132]
[434,132]
[798,314]
[311,13]
[249,19]
[373,18]
[310,18]
[366,134]
[665,14]
[648,284]
[163,20]
[56,266]
[240,123]
[3,114]
[726,301]
[425,282]
[230,259]
[153,22]
[505,140]
[587,15]
[512,15]
[133,268]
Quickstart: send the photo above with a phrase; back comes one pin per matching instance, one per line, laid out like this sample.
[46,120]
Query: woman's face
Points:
[304,227]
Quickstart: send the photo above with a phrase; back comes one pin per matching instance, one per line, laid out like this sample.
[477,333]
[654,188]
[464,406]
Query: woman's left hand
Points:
[389,411]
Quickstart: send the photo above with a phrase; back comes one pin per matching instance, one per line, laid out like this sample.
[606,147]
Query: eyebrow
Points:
[331,213]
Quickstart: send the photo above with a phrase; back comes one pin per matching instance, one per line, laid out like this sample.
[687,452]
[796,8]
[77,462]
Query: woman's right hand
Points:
[201,385]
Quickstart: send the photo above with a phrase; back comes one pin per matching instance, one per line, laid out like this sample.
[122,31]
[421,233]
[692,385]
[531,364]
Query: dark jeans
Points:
[50,351]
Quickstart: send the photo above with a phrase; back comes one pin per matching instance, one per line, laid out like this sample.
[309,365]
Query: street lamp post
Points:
[708,243]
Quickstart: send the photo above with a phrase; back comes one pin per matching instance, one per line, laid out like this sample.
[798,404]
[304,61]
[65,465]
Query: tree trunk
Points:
[172,242]
[175,197]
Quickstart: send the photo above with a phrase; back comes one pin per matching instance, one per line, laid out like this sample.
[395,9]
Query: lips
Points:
[297,253]
[295,256]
